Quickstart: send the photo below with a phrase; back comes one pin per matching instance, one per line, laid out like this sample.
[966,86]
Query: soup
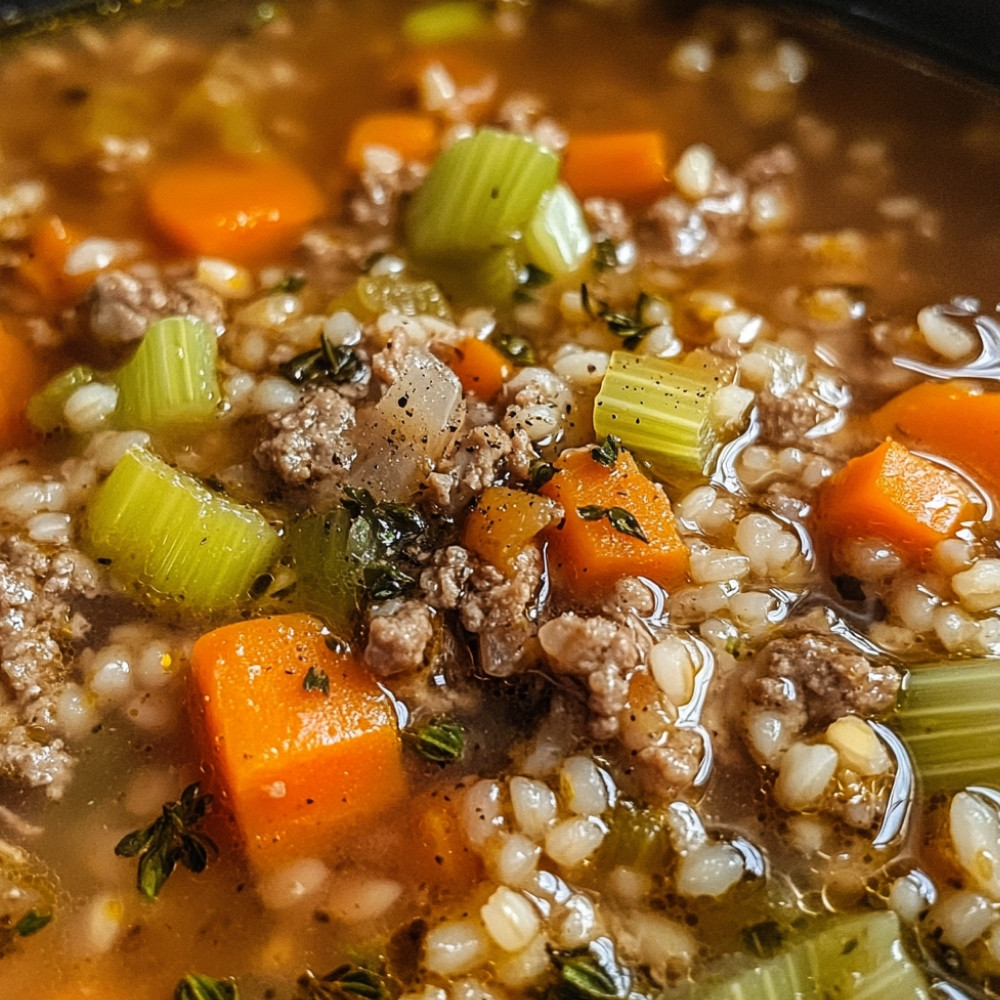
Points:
[498,500]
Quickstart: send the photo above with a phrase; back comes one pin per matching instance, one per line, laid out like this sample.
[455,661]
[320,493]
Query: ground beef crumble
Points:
[308,443]
[813,680]
[123,303]
[36,619]
[398,638]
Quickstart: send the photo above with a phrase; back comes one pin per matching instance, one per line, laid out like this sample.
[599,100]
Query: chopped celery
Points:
[661,410]
[556,237]
[856,957]
[948,715]
[171,379]
[491,277]
[328,577]
[445,22]
[45,410]
[396,293]
[478,193]
[170,537]
[638,839]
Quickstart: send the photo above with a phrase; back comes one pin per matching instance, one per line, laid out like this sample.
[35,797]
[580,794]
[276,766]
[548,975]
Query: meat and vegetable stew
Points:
[498,501]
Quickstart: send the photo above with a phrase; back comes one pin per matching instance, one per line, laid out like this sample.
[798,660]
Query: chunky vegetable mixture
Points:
[498,500]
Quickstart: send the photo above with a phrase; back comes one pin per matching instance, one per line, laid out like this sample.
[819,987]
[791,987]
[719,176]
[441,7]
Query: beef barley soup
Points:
[497,501]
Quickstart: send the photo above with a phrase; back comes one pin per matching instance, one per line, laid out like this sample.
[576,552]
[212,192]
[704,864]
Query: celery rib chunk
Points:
[171,380]
[329,581]
[556,237]
[856,957]
[948,715]
[171,538]
[448,21]
[661,410]
[478,193]
[46,409]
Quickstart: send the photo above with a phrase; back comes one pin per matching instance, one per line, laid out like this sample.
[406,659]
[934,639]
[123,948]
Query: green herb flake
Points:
[605,257]
[442,740]
[169,839]
[622,520]
[31,923]
[607,453]
[764,939]
[517,349]
[195,986]
[584,975]
[316,679]
[290,284]
[540,472]
[629,326]
[327,363]
[346,982]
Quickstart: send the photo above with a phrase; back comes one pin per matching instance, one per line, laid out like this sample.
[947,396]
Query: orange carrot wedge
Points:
[306,743]
[590,551]
[480,367]
[892,494]
[951,421]
[628,166]
[413,136]
[503,522]
[242,210]
[23,374]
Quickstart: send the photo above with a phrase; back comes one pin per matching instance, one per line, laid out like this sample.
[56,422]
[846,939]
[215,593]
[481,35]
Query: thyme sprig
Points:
[627,325]
[170,839]
[195,986]
[622,520]
[442,740]
[346,982]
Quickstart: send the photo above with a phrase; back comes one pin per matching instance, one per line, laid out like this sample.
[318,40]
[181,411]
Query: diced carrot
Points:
[503,522]
[480,367]
[23,375]
[45,266]
[894,495]
[437,852]
[630,167]
[950,421]
[593,554]
[242,210]
[299,765]
[413,136]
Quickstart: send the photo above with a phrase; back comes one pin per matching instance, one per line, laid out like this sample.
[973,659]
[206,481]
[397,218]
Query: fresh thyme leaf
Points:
[383,580]
[304,367]
[316,679]
[31,923]
[441,740]
[540,472]
[605,255]
[170,839]
[195,986]
[290,283]
[607,453]
[329,362]
[622,520]
[584,975]
[627,325]
[519,350]
[346,982]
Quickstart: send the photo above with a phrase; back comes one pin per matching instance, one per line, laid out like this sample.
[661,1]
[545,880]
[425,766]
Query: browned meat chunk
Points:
[310,441]
[123,304]
[397,640]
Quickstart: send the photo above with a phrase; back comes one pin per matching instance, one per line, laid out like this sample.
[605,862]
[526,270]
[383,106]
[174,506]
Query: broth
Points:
[642,761]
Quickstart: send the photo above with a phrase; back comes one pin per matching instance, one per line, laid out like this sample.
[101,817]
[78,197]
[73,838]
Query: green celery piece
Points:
[855,957]
[171,380]
[171,538]
[329,580]
[45,408]
[449,21]
[556,237]
[661,410]
[948,715]
[395,293]
[638,839]
[491,277]
[478,194]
